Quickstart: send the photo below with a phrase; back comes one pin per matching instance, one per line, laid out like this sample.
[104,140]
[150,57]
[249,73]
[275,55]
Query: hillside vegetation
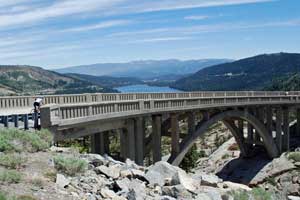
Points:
[107,81]
[255,73]
[33,80]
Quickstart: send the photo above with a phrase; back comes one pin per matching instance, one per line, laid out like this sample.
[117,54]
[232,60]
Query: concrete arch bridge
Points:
[255,119]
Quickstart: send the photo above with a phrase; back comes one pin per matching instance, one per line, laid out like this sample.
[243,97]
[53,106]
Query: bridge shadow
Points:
[243,170]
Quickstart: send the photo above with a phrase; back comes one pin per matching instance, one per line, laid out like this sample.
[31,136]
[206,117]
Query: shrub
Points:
[70,165]
[14,140]
[26,197]
[240,195]
[233,147]
[295,156]
[261,194]
[12,161]
[190,160]
[10,176]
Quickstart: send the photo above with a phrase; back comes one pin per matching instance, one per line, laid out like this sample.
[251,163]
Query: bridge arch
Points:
[227,117]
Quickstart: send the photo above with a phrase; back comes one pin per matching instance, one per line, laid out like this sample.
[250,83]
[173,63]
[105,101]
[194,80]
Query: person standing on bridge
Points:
[37,105]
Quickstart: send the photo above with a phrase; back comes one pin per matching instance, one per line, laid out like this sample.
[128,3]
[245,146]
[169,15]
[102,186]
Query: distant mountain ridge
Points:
[254,73]
[107,81]
[144,69]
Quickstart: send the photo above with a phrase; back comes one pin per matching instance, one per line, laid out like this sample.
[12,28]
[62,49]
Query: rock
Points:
[132,189]
[61,149]
[202,196]
[94,159]
[109,194]
[126,173]
[277,166]
[165,198]
[208,179]
[293,198]
[297,164]
[186,181]
[111,172]
[62,181]
[160,171]
[177,192]
[235,186]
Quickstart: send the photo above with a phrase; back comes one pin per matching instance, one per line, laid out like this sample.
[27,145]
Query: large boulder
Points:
[162,172]
[62,181]
[111,172]
[132,189]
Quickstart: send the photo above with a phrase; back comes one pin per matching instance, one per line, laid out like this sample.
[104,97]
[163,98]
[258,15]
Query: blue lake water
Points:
[144,88]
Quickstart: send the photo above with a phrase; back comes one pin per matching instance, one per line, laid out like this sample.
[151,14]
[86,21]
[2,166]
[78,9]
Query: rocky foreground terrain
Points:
[30,170]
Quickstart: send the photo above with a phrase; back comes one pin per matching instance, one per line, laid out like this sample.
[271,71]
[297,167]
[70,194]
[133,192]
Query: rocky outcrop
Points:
[110,179]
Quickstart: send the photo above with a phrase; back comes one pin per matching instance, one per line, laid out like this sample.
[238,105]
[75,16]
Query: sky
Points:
[61,33]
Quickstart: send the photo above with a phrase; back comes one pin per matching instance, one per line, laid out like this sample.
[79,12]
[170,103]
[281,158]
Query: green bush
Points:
[14,140]
[240,195]
[10,176]
[261,194]
[12,161]
[70,165]
[255,194]
[190,160]
[295,156]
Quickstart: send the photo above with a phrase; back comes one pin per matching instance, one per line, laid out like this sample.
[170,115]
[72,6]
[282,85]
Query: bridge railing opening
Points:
[12,102]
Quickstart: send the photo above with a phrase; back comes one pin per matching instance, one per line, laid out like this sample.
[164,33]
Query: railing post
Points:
[141,105]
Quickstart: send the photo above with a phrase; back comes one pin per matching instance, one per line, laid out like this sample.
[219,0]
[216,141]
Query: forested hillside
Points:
[255,73]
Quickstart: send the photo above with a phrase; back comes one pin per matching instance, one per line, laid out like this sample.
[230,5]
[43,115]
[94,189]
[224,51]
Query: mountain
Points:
[107,81]
[143,69]
[286,83]
[255,73]
[33,80]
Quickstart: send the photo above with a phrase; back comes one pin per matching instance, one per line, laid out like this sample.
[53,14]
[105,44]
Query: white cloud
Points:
[101,25]
[62,8]
[196,17]
[162,39]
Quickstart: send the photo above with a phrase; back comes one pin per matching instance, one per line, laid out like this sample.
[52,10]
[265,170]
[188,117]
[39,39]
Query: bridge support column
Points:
[241,130]
[279,129]
[25,120]
[175,135]
[269,119]
[5,121]
[16,121]
[131,139]
[123,143]
[259,114]
[250,128]
[156,137]
[100,143]
[298,122]
[140,140]
[191,123]
[286,130]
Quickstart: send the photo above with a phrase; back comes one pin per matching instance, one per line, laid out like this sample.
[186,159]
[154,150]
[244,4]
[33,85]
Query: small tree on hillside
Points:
[190,160]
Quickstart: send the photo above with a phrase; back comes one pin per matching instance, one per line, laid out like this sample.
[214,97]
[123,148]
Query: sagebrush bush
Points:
[295,156]
[69,165]
[12,160]
[14,140]
[10,176]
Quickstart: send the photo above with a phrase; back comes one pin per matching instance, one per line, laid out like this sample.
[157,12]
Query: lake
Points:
[144,88]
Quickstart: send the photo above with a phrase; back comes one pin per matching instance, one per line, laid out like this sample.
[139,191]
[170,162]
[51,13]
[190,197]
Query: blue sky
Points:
[60,33]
